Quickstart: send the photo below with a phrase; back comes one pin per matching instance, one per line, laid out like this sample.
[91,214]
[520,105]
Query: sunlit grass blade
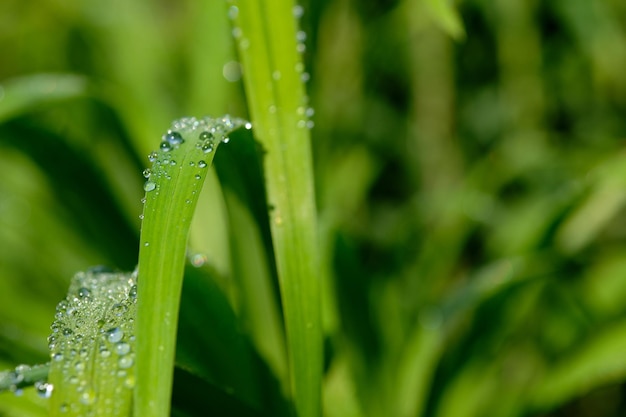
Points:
[268,43]
[172,188]
[19,95]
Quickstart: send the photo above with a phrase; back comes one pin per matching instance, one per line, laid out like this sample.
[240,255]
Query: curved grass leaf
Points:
[240,172]
[172,188]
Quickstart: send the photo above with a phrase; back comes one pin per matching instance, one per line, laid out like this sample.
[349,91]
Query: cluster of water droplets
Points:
[25,375]
[203,134]
[92,344]
[232,70]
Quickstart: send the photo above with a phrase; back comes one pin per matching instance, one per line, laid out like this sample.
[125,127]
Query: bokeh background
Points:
[471,186]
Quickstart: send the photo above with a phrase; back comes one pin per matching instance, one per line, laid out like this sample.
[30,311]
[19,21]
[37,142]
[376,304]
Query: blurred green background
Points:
[471,185]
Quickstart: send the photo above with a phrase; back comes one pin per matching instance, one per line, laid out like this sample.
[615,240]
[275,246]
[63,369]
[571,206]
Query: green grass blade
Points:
[23,94]
[266,37]
[241,176]
[174,182]
[92,346]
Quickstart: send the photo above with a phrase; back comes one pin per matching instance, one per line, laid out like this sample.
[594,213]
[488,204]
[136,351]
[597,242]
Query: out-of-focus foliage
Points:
[471,186]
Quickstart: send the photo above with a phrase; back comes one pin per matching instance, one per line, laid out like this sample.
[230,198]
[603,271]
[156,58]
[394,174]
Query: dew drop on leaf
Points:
[122,348]
[133,292]
[115,334]
[44,389]
[206,136]
[149,186]
[233,12]
[88,397]
[298,11]
[125,362]
[173,138]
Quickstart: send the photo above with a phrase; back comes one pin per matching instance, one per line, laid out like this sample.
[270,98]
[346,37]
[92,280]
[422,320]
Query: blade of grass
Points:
[241,175]
[266,37]
[23,94]
[92,346]
[172,189]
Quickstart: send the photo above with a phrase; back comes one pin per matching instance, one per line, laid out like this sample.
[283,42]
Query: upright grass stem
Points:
[269,46]
[172,188]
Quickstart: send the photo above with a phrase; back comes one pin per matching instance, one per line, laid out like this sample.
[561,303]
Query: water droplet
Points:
[192,164]
[310,112]
[202,164]
[147,172]
[198,260]
[125,362]
[205,135]
[146,244]
[301,36]
[115,334]
[248,125]
[187,201]
[20,369]
[83,292]
[122,348]
[133,292]
[119,309]
[165,146]
[298,11]
[57,357]
[149,186]
[300,47]
[233,12]
[231,70]
[236,32]
[173,138]
[208,148]
[141,217]
[130,381]
[153,156]
[143,200]
[299,67]
[226,139]
[305,77]
[44,389]
[88,397]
